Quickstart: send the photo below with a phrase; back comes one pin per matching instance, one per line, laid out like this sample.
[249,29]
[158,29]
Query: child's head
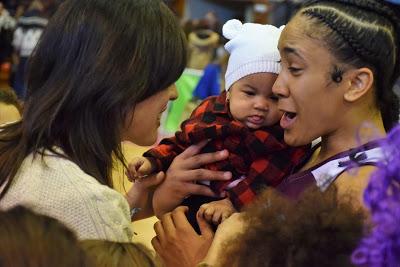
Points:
[318,230]
[108,253]
[31,240]
[252,70]
[9,107]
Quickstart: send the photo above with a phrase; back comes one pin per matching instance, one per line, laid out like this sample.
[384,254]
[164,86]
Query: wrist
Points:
[136,197]
[213,254]
[134,213]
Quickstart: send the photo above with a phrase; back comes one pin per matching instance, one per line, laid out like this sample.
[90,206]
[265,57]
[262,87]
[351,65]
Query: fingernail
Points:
[227,175]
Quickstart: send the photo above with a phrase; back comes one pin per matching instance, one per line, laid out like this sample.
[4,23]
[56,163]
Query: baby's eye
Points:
[273,98]
[249,93]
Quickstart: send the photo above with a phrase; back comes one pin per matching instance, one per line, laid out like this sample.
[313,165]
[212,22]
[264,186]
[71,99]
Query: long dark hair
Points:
[94,62]
[363,33]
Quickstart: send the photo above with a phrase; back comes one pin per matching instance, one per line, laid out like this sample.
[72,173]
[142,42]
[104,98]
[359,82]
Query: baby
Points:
[244,120]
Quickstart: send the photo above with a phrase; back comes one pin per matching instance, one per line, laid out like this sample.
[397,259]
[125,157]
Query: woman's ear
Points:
[360,83]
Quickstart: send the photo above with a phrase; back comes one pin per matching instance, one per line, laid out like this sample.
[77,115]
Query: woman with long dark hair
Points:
[103,72]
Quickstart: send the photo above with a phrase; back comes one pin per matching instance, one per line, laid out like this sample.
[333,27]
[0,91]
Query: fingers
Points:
[159,230]
[168,223]
[180,219]
[210,214]
[193,150]
[200,212]
[216,211]
[225,215]
[206,158]
[158,179]
[208,175]
[216,217]
[146,168]
[138,168]
[133,166]
[157,245]
[150,181]
[200,160]
[131,175]
[198,189]
[205,228]
[183,209]
[207,212]
[135,163]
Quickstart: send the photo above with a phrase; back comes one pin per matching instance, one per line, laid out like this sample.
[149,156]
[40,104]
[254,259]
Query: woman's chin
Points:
[294,139]
[147,142]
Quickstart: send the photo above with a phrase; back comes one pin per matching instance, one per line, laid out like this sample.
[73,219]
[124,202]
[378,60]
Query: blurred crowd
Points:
[21,25]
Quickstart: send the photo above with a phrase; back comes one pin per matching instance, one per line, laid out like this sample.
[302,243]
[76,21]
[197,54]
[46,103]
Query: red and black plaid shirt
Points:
[261,156]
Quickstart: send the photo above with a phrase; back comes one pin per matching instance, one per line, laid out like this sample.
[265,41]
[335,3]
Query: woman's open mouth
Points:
[288,119]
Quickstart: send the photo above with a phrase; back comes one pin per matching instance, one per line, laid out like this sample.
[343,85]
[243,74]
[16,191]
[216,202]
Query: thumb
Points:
[158,179]
[152,180]
[205,227]
[135,163]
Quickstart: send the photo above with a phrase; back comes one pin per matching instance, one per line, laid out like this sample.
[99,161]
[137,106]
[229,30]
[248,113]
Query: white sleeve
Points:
[17,39]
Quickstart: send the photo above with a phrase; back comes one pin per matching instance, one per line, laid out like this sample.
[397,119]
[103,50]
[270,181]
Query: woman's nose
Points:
[279,88]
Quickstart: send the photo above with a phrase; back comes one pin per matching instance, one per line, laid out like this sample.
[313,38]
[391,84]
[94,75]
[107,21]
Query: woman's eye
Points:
[294,70]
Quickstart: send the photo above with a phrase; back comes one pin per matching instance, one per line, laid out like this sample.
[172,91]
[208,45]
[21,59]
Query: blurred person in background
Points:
[27,34]
[7,26]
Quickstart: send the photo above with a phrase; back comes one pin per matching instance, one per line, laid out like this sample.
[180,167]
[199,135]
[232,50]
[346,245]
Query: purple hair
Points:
[381,246]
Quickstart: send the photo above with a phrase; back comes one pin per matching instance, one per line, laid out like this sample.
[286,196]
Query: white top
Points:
[58,188]
[327,173]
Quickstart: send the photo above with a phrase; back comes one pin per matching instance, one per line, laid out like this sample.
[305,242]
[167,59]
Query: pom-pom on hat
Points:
[253,48]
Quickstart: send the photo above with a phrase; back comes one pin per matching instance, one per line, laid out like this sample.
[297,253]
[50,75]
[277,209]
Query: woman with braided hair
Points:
[340,60]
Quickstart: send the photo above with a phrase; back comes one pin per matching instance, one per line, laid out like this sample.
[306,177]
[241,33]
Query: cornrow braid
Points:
[329,20]
[381,8]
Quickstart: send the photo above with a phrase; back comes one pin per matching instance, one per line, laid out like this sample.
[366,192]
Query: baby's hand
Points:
[216,211]
[138,168]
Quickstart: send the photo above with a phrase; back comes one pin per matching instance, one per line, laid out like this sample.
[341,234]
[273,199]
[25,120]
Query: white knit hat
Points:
[253,48]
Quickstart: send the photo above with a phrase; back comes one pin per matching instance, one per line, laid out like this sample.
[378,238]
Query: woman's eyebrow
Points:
[291,50]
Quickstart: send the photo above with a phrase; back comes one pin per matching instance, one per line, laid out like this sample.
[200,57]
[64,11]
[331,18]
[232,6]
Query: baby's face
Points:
[252,102]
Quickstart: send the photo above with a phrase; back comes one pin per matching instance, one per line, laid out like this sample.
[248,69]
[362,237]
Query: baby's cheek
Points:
[276,114]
